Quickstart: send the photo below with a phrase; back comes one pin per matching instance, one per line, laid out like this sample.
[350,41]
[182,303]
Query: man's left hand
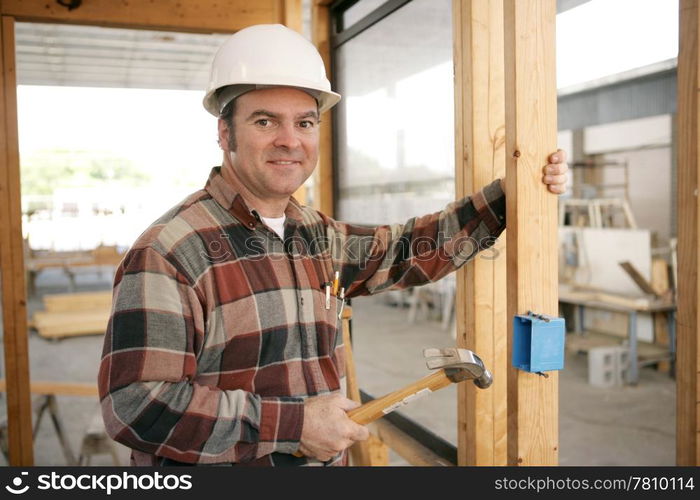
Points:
[555,172]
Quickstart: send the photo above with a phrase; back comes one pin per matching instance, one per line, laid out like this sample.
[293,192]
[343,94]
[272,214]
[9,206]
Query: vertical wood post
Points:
[292,15]
[688,355]
[14,300]
[292,18]
[481,284]
[531,135]
[323,186]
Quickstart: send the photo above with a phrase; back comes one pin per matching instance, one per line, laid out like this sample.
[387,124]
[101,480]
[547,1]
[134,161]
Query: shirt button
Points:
[251,224]
[301,301]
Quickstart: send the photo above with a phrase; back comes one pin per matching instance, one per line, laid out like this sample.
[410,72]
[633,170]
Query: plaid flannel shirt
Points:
[219,329]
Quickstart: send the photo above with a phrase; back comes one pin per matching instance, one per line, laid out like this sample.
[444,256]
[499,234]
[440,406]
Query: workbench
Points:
[581,302]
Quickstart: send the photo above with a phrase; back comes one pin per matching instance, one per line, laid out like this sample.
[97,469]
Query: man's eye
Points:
[263,122]
[306,124]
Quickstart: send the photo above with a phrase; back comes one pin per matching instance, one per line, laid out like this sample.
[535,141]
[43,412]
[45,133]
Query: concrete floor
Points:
[617,426]
[626,425]
[73,359]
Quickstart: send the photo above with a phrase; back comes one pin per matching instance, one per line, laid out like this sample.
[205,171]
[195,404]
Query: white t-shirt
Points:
[276,224]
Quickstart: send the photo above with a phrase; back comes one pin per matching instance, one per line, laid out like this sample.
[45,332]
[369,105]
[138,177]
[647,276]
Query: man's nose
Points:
[287,136]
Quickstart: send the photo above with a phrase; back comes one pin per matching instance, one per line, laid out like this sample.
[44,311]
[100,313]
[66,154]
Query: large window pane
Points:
[600,38]
[360,10]
[395,127]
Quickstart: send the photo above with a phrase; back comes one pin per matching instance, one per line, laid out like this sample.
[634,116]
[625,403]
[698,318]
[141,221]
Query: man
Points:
[223,343]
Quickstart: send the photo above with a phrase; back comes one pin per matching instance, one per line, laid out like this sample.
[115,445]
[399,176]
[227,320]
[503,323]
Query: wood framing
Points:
[688,355]
[531,136]
[481,284]
[14,300]
[292,15]
[292,18]
[201,16]
[323,186]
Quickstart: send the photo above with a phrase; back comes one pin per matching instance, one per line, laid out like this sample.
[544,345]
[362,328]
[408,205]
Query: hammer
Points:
[455,365]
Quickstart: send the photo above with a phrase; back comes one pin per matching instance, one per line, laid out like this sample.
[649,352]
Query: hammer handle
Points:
[377,408]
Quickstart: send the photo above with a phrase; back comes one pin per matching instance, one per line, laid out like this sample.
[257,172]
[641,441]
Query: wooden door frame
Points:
[688,217]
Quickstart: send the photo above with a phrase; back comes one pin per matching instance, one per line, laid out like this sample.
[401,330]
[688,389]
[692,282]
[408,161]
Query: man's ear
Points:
[224,132]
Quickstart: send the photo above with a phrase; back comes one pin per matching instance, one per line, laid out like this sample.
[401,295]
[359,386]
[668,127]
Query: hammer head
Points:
[459,365]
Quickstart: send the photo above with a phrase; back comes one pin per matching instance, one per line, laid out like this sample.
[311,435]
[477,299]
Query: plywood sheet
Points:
[601,250]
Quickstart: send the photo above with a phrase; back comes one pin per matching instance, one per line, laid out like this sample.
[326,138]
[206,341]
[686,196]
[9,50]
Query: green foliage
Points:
[48,170]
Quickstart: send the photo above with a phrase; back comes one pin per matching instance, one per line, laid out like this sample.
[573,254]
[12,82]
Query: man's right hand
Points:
[327,430]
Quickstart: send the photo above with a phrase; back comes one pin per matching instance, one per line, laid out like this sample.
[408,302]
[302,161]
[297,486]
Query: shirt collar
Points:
[226,196]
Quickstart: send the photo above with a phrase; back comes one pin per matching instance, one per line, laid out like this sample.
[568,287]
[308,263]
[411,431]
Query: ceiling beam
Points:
[203,16]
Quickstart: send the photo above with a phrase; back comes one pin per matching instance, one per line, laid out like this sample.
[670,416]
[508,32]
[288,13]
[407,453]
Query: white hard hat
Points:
[262,56]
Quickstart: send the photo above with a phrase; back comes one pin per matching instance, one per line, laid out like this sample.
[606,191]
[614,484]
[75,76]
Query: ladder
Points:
[596,212]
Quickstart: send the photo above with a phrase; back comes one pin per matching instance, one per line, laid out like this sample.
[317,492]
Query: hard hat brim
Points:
[326,99]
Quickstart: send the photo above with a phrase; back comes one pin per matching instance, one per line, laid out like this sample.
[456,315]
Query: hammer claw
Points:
[459,364]
[430,352]
[438,362]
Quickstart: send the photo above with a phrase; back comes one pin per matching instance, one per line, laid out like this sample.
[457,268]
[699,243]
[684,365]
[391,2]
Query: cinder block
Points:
[607,366]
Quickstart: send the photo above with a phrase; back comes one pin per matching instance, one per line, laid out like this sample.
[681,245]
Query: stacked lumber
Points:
[71,314]
[37,260]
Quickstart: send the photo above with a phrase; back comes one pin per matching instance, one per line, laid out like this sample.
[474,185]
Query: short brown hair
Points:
[227,116]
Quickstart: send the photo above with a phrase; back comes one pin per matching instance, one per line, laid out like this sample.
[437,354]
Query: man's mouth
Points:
[283,162]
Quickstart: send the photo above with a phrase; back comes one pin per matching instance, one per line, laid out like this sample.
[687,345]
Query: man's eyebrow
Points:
[269,114]
[261,112]
[309,114]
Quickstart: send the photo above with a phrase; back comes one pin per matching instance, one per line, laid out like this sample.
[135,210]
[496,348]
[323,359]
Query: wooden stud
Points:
[531,136]
[14,300]
[378,452]
[481,284]
[203,16]
[323,186]
[371,452]
[688,354]
[359,452]
[293,17]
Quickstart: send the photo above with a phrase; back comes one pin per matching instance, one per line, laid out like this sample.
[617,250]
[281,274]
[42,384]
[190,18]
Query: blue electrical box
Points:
[538,342]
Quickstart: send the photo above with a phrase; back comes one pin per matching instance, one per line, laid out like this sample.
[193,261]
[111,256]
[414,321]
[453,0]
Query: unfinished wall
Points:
[646,145]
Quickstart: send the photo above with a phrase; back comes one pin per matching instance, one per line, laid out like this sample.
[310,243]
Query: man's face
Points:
[276,141]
